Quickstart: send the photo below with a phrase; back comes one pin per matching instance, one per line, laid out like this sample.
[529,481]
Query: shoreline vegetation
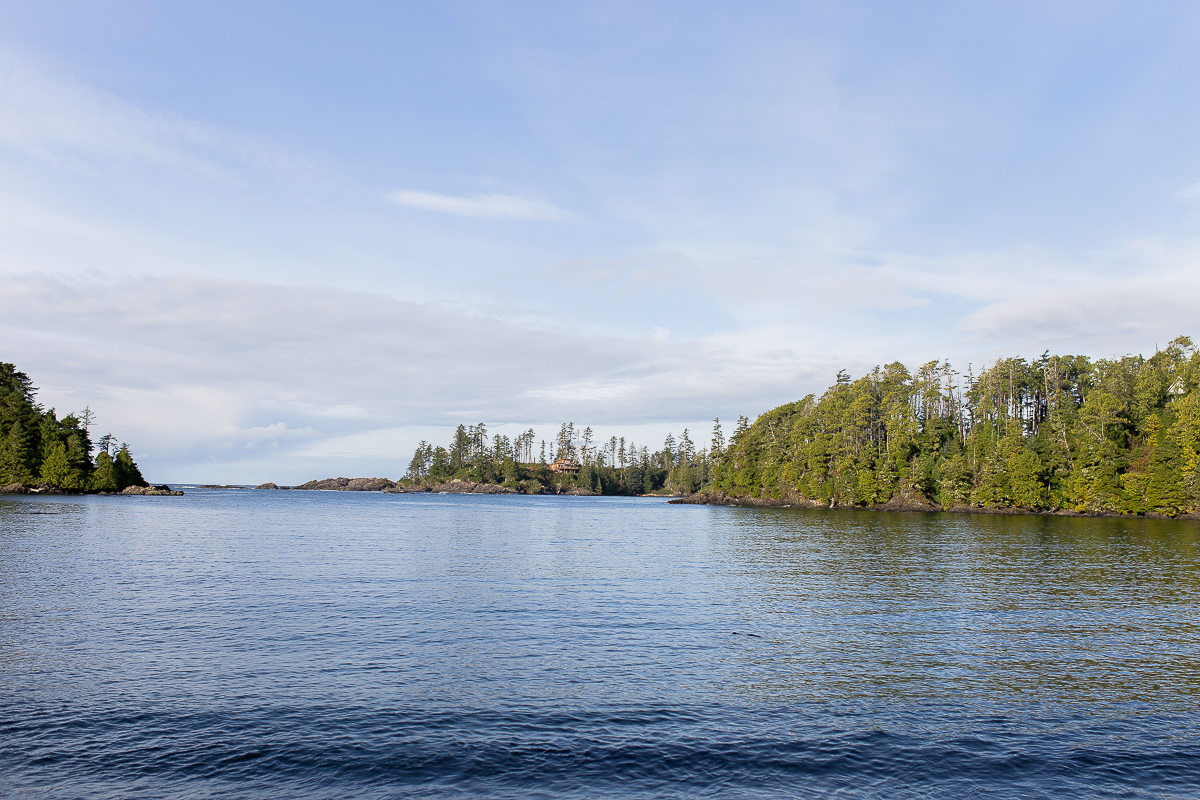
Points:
[1057,435]
[42,454]
[1062,435]
[574,463]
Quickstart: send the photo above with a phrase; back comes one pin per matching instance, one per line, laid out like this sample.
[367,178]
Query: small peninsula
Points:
[1053,435]
[42,454]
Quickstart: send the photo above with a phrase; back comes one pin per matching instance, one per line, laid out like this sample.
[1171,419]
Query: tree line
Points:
[1058,432]
[38,447]
[613,466]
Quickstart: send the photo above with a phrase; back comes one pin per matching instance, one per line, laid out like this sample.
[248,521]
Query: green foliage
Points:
[104,479]
[35,445]
[15,452]
[57,469]
[612,467]
[1056,432]
[127,472]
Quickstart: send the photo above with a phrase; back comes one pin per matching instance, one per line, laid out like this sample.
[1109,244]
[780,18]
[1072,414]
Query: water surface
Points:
[313,644]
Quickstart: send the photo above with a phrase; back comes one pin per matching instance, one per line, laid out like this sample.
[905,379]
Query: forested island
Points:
[41,453]
[1056,434]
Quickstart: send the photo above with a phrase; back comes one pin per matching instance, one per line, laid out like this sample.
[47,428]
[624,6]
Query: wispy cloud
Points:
[72,124]
[495,206]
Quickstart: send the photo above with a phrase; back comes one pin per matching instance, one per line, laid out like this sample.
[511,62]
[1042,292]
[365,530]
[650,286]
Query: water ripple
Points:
[314,645]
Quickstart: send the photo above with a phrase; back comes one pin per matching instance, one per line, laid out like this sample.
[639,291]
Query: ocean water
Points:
[323,644]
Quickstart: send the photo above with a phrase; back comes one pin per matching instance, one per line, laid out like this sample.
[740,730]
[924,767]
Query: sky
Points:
[284,241]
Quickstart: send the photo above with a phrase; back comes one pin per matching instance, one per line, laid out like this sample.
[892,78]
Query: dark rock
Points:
[457,486]
[151,491]
[14,488]
[348,485]
[267,485]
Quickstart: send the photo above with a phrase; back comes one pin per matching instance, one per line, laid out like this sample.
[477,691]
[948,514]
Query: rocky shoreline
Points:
[387,486]
[907,504]
[45,488]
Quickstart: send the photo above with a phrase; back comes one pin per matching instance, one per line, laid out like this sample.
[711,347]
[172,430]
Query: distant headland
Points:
[42,454]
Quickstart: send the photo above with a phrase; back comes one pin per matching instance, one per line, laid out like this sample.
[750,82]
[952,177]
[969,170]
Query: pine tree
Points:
[104,478]
[460,449]
[14,455]
[127,471]
[718,440]
[418,467]
[57,471]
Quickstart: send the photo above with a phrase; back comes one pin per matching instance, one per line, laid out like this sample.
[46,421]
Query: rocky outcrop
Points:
[453,486]
[45,488]
[346,485]
[787,500]
[905,501]
[36,488]
[153,491]
[457,486]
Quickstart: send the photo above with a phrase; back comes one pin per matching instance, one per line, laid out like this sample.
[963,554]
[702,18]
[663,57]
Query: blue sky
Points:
[280,241]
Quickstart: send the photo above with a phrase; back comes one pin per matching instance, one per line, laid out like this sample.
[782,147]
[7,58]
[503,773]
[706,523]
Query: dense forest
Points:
[36,447]
[1055,433]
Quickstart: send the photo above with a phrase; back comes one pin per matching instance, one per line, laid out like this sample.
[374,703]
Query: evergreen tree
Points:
[104,479]
[14,455]
[57,470]
[127,472]
[36,445]
[718,440]
[460,449]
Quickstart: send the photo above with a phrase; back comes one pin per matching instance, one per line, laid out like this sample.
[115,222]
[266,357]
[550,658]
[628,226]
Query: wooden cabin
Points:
[563,465]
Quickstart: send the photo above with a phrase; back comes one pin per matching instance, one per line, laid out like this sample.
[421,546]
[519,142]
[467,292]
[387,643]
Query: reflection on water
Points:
[978,610]
[312,644]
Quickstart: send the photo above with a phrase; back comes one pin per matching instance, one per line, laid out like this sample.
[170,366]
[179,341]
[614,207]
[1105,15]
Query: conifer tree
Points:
[127,471]
[14,455]
[718,440]
[57,470]
[104,479]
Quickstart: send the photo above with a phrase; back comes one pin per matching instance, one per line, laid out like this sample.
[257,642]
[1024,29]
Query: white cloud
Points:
[202,374]
[496,206]
[1111,318]
[273,432]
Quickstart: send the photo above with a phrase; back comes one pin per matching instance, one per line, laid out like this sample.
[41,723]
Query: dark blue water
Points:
[324,644]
